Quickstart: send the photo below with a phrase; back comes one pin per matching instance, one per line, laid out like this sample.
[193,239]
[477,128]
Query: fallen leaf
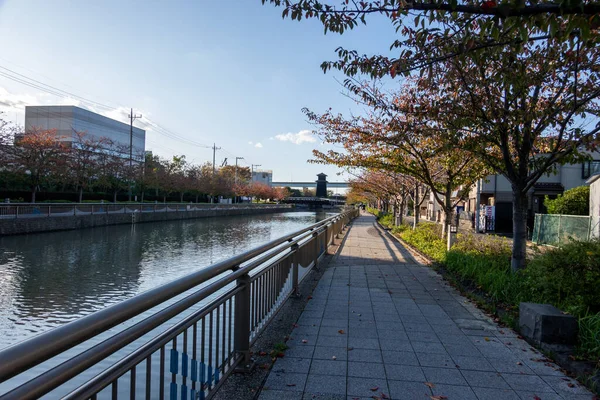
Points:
[519,363]
[309,297]
[375,388]
[431,385]
[334,358]
[536,397]
[262,353]
[341,332]
[295,325]
[571,385]
[508,343]
[280,354]
[265,366]
[487,339]
[291,384]
[439,397]
[384,396]
[350,348]
[304,341]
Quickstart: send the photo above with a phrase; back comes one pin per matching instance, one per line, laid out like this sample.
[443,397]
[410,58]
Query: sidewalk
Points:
[379,325]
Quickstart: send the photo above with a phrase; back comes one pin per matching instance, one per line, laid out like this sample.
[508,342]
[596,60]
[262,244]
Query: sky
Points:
[231,73]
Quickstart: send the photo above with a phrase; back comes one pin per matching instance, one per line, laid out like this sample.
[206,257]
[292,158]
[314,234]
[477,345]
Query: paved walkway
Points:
[379,325]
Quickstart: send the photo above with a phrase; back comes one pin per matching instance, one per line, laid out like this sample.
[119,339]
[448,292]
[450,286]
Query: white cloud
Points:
[297,138]
[259,145]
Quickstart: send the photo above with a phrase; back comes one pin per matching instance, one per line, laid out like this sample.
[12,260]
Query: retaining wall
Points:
[19,226]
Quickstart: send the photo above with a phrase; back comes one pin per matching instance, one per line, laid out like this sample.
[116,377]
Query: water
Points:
[49,279]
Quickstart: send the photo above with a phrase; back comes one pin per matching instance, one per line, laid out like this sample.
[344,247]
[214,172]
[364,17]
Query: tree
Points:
[520,81]
[82,160]
[399,135]
[280,193]
[574,201]
[111,166]
[39,156]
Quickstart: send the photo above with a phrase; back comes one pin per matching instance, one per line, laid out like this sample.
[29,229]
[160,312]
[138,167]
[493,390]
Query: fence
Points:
[556,229]
[37,210]
[229,304]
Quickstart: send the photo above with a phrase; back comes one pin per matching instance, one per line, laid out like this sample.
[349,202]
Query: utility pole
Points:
[215,148]
[235,180]
[132,117]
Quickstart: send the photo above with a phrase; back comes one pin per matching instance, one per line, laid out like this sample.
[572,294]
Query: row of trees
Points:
[40,159]
[503,87]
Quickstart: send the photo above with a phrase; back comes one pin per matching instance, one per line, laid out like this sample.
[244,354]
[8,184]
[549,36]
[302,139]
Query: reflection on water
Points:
[49,279]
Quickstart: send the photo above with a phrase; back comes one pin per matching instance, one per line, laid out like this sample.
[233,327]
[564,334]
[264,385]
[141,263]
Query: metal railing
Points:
[229,304]
[41,210]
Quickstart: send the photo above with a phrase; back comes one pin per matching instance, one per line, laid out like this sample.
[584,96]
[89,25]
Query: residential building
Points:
[495,190]
[67,120]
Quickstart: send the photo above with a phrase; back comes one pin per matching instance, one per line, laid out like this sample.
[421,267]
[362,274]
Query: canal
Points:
[49,279]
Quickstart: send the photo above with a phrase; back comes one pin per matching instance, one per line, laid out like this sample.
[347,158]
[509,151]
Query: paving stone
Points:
[496,394]
[395,344]
[268,394]
[428,347]
[335,341]
[444,375]
[292,364]
[327,353]
[455,392]
[435,360]
[365,355]
[363,343]
[485,379]
[364,387]
[366,370]
[320,396]
[472,363]
[404,372]
[528,383]
[400,357]
[328,367]
[326,384]
[286,381]
[409,390]
[336,323]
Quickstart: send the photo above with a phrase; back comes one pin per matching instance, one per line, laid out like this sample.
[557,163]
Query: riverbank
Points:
[77,218]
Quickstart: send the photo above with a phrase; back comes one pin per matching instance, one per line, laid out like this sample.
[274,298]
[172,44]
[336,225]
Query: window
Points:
[590,168]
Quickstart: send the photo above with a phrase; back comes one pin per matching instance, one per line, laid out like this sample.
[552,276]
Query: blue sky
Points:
[225,72]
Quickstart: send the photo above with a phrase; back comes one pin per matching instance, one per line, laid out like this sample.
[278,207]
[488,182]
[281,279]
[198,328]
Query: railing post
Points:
[295,289]
[49,211]
[92,209]
[241,340]
[316,239]
[16,212]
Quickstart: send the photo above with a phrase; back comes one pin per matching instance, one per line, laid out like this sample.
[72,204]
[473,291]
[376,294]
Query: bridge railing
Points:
[41,210]
[183,338]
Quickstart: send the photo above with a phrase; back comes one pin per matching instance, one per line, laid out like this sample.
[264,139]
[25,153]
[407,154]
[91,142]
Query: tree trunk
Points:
[447,212]
[115,196]
[181,197]
[416,207]
[142,196]
[164,198]
[519,248]
[80,194]
[33,192]
[196,199]
[401,213]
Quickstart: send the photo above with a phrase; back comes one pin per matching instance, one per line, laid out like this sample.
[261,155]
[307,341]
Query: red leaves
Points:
[430,385]
[374,389]
[262,353]
[488,5]
[341,332]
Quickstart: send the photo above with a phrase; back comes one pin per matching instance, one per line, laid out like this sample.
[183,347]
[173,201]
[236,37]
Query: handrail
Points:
[25,355]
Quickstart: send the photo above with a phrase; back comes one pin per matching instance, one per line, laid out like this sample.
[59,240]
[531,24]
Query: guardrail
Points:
[40,210]
[231,302]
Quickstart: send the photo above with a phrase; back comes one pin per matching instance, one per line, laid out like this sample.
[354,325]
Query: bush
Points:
[427,238]
[568,277]
[386,220]
[574,201]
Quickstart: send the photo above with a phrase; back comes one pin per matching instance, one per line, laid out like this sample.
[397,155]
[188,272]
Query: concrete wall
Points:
[47,224]
[595,197]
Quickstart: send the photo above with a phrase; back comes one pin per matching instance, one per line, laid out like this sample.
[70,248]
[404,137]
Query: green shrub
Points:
[427,238]
[574,201]
[397,230]
[589,335]
[568,277]
[386,220]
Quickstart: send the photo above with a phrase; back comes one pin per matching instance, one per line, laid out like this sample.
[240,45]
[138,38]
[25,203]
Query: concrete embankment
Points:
[19,226]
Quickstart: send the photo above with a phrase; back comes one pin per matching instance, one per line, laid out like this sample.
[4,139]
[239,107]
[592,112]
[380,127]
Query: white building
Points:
[262,176]
[67,120]
[594,183]
[495,190]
